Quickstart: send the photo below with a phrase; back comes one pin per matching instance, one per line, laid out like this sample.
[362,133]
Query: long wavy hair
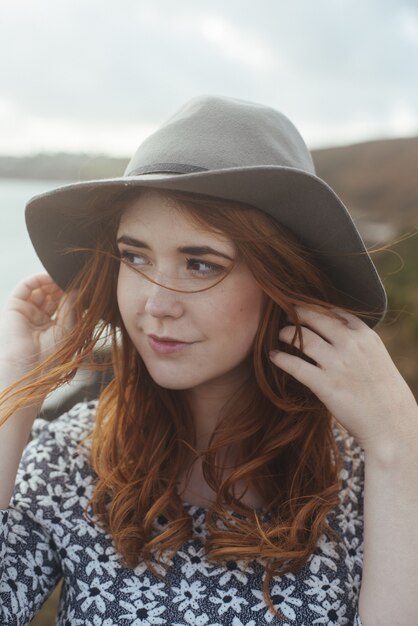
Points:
[144,438]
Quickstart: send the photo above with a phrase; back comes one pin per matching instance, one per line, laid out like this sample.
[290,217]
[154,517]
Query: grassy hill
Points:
[378,178]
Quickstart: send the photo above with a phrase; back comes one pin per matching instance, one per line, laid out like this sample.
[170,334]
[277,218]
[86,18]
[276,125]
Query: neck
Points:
[208,403]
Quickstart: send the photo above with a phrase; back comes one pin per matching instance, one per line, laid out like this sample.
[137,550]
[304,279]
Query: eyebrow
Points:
[198,250]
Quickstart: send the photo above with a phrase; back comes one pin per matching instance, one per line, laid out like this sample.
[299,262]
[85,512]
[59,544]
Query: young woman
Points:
[219,477]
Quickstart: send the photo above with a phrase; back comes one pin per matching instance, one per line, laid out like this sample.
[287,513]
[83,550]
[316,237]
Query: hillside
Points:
[377,180]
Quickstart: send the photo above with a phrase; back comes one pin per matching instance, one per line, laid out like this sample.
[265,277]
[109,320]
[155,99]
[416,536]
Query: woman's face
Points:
[215,329]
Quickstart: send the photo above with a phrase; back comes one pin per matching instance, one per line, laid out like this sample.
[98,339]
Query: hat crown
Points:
[213,133]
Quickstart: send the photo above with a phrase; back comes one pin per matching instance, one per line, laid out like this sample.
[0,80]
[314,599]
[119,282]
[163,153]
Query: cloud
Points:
[95,73]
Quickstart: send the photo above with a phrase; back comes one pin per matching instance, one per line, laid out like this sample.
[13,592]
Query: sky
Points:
[98,76]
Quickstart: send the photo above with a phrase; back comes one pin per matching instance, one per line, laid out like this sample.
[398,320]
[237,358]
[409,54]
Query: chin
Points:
[174,381]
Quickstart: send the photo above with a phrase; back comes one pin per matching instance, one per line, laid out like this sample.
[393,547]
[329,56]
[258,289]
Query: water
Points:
[17,257]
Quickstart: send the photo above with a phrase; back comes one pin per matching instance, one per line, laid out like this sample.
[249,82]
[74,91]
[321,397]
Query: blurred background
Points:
[83,82]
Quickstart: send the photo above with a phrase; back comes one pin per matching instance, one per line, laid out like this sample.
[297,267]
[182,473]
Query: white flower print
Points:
[102,560]
[79,492]
[53,495]
[23,502]
[46,545]
[353,587]
[39,453]
[31,478]
[67,551]
[228,599]
[78,460]
[18,534]
[188,594]
[142,614]
[94,592]
[323,587]
[237,622]
[233,569]
[84,527]
[46,532]
[11,584]
[324,553]
[195,562]
[348,518]
[331,614]
[98,621]
[70,618]
[36,569]
[354,556]
[352,487]
[199,525]
[195,620]
[141,587]
[281,598]
[54,519]
[59,469]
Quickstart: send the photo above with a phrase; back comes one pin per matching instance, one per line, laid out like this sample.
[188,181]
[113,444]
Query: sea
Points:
[17,256]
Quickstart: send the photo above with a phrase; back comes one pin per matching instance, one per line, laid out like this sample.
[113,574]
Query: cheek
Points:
[242,309]
[125,296]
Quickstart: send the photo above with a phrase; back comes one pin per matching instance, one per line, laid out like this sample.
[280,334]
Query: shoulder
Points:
[63,435]
[74,424]
[55,478]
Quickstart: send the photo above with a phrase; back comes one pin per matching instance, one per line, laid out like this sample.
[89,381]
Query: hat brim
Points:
[302,202]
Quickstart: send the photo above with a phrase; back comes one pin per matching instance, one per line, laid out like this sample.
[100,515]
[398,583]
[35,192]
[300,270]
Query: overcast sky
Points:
[99,75]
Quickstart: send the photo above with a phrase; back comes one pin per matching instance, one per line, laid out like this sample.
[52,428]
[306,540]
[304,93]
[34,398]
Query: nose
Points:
[162,302]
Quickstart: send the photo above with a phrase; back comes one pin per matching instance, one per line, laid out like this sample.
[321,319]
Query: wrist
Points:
[401,445]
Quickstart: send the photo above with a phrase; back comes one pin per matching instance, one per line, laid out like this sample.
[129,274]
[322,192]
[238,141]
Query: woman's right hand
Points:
[35,318]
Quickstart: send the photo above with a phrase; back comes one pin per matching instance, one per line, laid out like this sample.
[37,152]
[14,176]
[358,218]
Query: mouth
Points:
[167,345]
[166,339]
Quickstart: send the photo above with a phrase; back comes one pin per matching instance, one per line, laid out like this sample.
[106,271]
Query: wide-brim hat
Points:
[231,149]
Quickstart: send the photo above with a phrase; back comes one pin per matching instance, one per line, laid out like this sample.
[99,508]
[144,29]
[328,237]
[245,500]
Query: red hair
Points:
[281,433]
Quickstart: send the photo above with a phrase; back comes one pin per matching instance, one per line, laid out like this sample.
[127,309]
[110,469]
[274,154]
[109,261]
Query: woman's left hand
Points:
[354,377]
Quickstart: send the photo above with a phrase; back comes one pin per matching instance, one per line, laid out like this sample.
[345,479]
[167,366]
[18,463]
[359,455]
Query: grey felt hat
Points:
[229,149]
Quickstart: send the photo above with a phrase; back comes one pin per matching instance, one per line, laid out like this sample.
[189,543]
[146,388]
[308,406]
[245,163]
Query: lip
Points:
[166,345]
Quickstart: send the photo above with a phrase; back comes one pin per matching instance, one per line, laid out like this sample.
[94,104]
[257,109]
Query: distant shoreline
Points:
[82,166]
[61,166]
[376,180]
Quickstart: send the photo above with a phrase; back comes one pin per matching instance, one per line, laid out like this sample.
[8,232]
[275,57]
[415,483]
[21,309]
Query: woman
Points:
[214,481]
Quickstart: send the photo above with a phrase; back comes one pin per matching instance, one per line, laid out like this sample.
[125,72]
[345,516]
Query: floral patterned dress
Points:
[44,536]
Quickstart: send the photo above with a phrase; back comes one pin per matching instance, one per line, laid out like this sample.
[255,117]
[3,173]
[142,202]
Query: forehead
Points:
[156,215]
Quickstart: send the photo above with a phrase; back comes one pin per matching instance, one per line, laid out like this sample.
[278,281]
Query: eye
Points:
[132,258]
[203,267]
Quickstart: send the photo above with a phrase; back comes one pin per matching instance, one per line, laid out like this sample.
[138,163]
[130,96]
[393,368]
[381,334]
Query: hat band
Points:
[167,168]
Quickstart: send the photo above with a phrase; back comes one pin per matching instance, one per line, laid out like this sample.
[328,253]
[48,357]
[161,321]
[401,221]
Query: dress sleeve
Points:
[29,562]
[350,515]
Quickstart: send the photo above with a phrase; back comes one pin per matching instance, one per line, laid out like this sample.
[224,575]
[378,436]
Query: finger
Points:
[328,326]
[33,314]
[26,287]
[304,372]
[45,294]
[314,346]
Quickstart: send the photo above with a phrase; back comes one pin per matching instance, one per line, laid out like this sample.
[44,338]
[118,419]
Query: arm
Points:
[29,563]
[34,319]
[390,571]
[356,379]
